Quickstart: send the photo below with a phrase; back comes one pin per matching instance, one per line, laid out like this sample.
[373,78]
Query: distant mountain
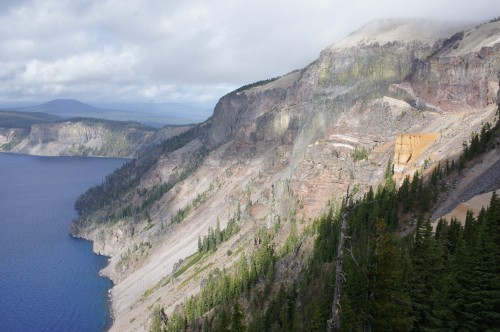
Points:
[157,115]
[68,106]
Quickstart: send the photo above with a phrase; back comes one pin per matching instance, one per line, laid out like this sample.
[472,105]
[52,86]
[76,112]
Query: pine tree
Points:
[404,194]
[205,243]
[414,187]
[217,234]
[238,212]
[427,268]
[243,274]
[237,317]
[389,172]
[390,305]
[486,292]
[223,323]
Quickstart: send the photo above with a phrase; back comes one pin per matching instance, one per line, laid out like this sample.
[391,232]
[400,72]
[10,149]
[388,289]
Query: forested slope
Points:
[447,280]
[118,185]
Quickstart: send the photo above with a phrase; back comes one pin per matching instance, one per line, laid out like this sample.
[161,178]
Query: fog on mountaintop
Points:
[162,51]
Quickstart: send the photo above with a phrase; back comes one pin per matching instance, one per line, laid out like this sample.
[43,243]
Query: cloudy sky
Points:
[179,51]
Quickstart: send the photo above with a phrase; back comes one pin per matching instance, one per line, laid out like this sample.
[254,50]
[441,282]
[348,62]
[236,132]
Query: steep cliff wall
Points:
[84,137]
[237,113]
[283,150]
[464,74]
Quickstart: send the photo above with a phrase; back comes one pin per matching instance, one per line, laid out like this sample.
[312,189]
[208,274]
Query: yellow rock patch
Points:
[409,147]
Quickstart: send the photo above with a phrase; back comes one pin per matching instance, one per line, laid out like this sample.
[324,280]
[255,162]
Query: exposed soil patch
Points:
[475,204]
[481,177]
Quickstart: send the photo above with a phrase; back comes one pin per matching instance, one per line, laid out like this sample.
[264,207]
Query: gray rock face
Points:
[288,148]
[83,138]
[301,112]
[236,111]
[458,82]
[358,96]
[371,87]
[350,75]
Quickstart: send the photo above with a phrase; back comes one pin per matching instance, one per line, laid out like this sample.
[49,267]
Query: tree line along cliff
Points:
[446,279]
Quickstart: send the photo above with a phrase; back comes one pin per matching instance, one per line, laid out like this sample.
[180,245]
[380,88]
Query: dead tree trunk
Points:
[334,322]
[163,316]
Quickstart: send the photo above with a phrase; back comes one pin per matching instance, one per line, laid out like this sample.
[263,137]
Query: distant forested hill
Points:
[14,119]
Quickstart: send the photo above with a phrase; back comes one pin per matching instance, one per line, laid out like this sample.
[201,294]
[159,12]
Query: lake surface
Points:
[49,281]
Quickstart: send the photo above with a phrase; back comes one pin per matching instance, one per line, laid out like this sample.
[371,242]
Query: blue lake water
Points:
[49,281]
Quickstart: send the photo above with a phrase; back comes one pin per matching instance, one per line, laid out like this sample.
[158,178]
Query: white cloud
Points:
[191,50]
[104,65]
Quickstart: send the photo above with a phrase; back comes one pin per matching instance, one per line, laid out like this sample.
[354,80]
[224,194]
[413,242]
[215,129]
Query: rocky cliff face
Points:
[409,147]
[459,78]
[84,137]
[283,150]
[390,77]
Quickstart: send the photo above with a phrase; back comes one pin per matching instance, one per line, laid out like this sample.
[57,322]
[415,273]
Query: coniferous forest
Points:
[446,279]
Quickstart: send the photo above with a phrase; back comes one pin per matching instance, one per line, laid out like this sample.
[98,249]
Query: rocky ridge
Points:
[84,137]
[286,149]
